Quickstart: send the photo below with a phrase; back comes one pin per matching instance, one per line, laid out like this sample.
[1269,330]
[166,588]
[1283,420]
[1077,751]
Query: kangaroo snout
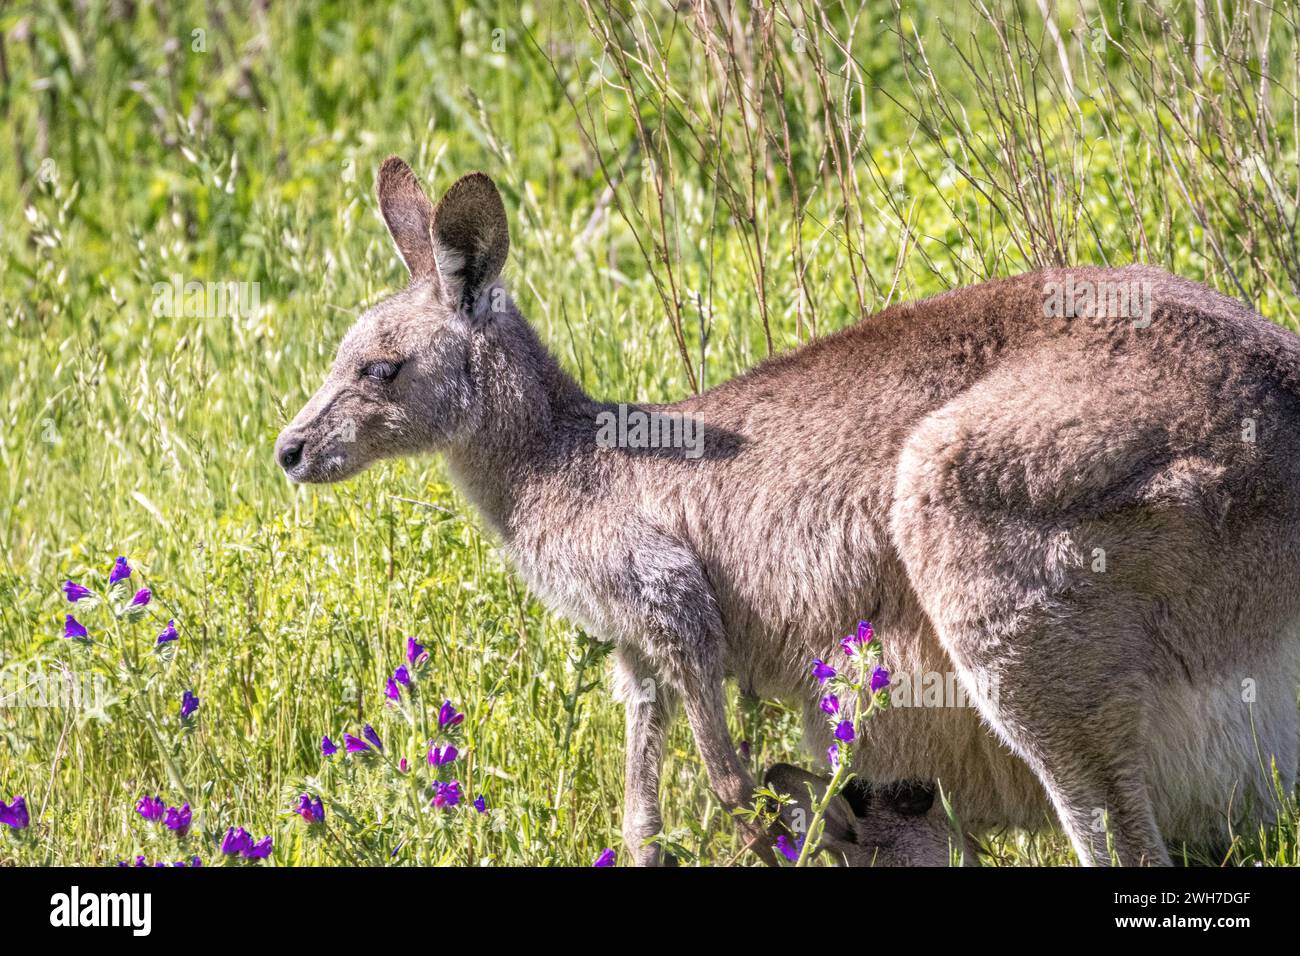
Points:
[288,450]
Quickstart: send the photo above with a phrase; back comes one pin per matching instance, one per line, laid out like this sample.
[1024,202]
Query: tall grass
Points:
[692,188]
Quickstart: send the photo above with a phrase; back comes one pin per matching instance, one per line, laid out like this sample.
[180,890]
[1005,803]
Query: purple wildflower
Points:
[480,804]
[391,691]
[830,704]
[121,571]
[402,676]
[354,745]
[168,633]
[855,642]
[787,849]
[327,747]
[311,810]
[189,704]
[414,651]
[75,592]
[236,840]
[844,731]
[446,794]
[822,671]
[15,814]
[73,628]
[442,755]
[402,765]
[448,716]
[141,598]
[369,733]
[178,820]
[605,859]
[151,808]
[833,756]
[260,850]
[879,678]
[744,749]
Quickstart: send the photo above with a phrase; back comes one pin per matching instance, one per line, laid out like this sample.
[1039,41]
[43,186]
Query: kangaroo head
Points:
[867,825]
[404,379]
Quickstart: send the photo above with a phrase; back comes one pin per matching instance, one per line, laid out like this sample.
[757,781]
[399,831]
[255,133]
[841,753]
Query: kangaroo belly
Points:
[1214,746]
[931,731]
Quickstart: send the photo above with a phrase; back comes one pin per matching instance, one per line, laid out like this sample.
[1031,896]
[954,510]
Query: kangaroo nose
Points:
[288,451]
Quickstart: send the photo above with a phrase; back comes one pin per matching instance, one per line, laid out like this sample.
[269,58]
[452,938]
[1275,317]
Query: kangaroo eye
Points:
[381,371]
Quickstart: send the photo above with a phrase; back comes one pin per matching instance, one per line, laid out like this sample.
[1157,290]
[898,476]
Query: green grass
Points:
[129,156]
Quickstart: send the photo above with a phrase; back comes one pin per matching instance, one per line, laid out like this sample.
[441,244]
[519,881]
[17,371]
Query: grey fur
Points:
[948,470]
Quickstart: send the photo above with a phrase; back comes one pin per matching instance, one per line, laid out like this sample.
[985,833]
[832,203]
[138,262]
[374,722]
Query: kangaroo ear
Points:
[840,831]
[409,215]
[470,240]
[911,798]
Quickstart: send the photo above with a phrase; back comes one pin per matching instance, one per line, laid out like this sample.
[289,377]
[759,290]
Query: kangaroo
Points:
[1086,511]
[870,825]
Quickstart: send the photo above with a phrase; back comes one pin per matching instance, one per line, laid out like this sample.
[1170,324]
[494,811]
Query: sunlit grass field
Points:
[220,143]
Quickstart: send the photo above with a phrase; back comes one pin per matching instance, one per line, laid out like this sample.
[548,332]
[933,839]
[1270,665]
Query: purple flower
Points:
[402,765]
[73,628]
[237,840]
[844,731]
[822,671]
[259,850]
[402,676]
[75,592]
[414,651]
[446,794]
[480,804]
[121,571]
[178,820]
[862,638]
[391,690]
[353,745]
[151,808]
[15,814]
[369,733]
[442,755]
[830,704]
[787,849]
[833,756]
[311,810]
[189,704]
[327,747]
[606,858]
[879,678]
[448,715]
[141,598]
[168,633]
[744,749]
